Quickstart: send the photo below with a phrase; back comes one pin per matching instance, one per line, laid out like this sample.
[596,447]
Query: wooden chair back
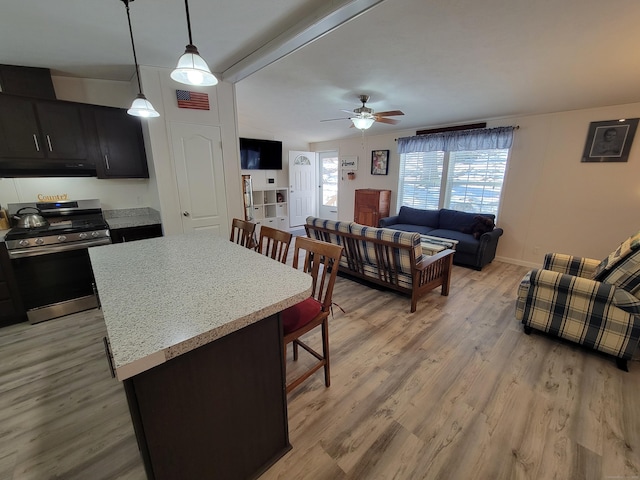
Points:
[321,261]
[274,243]
[242,233]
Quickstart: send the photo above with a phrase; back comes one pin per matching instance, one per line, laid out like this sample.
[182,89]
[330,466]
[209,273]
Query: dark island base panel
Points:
[219,411]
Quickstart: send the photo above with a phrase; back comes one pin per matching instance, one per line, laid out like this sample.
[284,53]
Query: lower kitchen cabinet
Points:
[129,234]
[11,307]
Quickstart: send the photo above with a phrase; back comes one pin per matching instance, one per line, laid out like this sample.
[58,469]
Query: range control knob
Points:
[95,234]
[82,235]
[61,238]
[23,243]
[39,241]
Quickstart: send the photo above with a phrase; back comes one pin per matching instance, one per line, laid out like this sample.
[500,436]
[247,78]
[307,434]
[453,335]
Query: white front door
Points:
[302,187]
[329,166]
[197,151]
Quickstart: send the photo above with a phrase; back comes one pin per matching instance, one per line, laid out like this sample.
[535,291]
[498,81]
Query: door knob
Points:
[185,214]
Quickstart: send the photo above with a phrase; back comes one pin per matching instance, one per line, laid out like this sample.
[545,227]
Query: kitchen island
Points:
[195,336]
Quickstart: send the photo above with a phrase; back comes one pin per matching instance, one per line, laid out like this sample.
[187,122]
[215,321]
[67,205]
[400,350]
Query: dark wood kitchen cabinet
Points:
[37,129]
[11,307]
[371,205]
[130,234]
[120,144]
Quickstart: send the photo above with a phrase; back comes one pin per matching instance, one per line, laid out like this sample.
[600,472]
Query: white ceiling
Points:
[441,62]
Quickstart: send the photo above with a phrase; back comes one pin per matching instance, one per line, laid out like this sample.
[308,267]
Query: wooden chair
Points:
[321,261]
[274,243]
[242,233]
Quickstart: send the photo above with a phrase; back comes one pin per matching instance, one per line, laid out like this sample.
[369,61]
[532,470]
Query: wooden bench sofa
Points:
[390,258]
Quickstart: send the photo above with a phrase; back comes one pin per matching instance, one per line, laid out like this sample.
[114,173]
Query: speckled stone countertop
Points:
[166,296]
[131,217]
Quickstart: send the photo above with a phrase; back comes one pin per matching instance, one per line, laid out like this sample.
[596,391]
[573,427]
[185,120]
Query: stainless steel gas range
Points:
[51,262]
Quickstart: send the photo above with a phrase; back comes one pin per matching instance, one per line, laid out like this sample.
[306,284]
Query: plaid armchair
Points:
[590,302]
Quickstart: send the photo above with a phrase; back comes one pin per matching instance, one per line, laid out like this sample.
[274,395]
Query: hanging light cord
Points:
[186,7]
[133,47]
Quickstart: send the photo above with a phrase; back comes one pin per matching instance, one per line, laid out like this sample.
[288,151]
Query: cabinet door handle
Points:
[35,140]
[49,143]
[106,161]
[185,214]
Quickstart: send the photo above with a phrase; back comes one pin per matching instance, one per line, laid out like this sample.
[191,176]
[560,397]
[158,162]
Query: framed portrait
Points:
[379,162]
[609,140]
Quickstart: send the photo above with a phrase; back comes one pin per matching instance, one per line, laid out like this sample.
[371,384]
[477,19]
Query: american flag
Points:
[186,99]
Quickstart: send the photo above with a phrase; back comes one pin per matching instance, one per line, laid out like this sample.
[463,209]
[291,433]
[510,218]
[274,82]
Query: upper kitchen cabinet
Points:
[41,129]
[121,144]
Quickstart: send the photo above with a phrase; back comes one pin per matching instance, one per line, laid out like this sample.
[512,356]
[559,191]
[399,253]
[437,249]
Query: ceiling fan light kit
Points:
[363,123]
[365,117]
[192,68]
[141,107]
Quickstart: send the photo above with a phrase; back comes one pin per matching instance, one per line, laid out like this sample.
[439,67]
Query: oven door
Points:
[55,284]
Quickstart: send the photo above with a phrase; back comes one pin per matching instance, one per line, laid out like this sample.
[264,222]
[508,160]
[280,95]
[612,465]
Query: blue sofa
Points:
[477,237]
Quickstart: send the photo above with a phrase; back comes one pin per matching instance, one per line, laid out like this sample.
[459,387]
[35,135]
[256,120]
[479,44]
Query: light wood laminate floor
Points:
[453,391]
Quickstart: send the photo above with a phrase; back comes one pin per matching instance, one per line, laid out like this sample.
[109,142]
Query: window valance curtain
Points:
[461,140]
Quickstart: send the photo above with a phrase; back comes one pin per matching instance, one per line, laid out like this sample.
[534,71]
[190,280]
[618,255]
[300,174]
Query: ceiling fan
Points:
[363,117]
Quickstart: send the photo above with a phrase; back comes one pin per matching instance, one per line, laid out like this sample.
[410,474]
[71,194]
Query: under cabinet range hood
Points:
[46,168]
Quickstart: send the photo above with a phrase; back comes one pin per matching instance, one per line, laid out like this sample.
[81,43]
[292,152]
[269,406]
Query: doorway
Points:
[302,187]
[329,166]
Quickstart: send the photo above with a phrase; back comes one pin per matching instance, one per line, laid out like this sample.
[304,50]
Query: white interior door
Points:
[197,152]
[302,187]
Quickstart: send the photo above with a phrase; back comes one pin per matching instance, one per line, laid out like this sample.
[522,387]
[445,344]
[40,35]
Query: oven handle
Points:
[35,251]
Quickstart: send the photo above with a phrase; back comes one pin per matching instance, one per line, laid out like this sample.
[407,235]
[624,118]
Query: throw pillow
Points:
[481,225]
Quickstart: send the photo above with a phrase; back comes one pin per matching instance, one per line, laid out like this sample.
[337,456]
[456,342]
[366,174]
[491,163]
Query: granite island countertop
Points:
[169,295]
[131,217]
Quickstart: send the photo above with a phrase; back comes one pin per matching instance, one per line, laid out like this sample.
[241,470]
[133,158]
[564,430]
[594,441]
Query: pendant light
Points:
[192,69]
[141,107]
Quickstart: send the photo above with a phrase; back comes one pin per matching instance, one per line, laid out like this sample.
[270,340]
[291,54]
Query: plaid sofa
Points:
[590,302]
[387,257]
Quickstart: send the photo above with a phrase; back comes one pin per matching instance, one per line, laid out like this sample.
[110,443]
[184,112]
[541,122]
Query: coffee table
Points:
[432,245]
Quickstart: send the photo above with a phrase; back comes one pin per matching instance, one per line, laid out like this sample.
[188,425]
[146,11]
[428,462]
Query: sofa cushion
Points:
[403,258]
[409,227]
[330,225]
[466,242]
[460,221]
[417,216]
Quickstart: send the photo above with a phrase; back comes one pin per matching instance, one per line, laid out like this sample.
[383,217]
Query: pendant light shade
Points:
[362,122]
[192,69]
[141,107]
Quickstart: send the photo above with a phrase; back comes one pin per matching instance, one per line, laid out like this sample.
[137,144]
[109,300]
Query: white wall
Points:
[551,201]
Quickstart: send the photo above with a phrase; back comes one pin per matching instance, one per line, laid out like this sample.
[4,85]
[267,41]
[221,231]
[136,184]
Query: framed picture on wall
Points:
[379,162]
[609,140]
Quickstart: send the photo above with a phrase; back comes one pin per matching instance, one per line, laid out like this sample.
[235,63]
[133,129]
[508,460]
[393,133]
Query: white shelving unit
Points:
[270,208]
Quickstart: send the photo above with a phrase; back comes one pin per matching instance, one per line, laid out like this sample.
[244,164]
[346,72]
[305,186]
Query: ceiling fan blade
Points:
[390,113]
[334,119]
[386,120]
[348,111]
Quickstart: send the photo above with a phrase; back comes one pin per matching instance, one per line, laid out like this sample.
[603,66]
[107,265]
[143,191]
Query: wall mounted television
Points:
[260,154]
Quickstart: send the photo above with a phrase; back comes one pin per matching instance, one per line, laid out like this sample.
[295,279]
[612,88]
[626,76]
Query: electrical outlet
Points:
[536,250]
